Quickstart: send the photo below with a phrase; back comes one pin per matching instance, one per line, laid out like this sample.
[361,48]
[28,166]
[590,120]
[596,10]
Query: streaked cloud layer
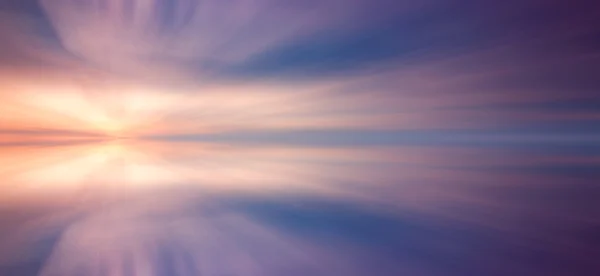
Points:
[262,137]
[237,65]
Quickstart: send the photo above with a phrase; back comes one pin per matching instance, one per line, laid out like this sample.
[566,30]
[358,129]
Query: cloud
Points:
[186,232]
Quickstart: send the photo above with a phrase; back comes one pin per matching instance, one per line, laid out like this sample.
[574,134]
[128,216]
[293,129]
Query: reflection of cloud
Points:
[187,232]
[159,238]
[415,177]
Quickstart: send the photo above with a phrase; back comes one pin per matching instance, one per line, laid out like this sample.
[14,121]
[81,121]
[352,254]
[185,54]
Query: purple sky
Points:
[331,137]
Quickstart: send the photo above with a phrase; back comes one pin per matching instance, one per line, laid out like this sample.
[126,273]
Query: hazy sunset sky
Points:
[190,67]
[471,127]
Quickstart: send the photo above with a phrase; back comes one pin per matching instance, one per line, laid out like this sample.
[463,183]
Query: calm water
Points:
[138,207]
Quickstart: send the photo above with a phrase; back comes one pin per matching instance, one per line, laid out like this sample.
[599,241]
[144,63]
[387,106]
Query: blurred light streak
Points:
[334,137]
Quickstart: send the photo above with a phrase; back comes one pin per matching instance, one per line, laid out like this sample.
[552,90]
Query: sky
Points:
[332,137]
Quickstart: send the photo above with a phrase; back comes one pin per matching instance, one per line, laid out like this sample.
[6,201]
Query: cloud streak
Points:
[328,137]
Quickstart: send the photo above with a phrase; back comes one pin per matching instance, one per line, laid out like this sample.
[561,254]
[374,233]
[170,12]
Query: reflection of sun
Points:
[108,151]
[78,167]
[100,166]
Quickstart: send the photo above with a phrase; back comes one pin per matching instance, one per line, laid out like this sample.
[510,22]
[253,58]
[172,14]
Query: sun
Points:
[110,127]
